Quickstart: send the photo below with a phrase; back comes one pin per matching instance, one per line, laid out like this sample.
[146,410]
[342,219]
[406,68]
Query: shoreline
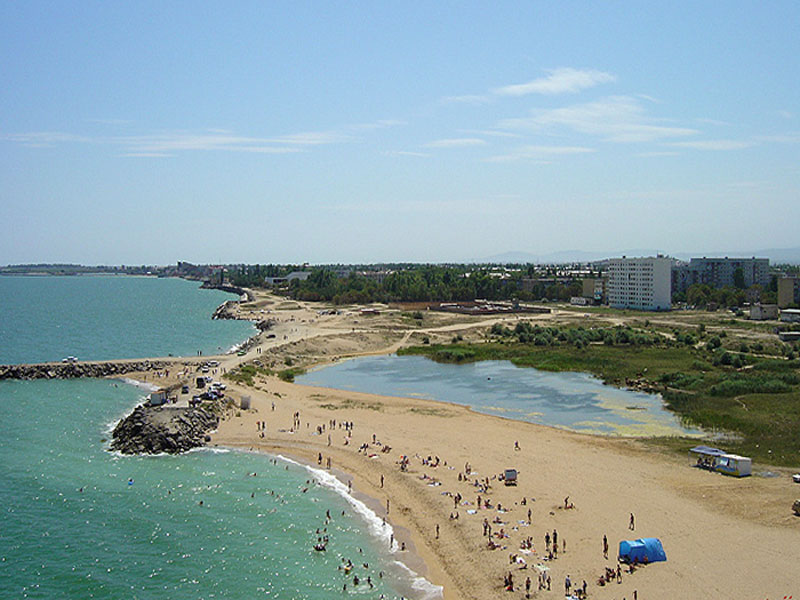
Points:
[420,501]
[704,520]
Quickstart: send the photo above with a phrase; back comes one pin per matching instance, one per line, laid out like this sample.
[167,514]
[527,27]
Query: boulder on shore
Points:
[156,429]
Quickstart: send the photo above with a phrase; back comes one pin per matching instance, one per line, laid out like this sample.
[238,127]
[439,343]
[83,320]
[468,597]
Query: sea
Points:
[78,521]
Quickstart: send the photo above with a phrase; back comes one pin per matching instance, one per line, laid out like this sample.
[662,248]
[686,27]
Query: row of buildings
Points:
[648,283]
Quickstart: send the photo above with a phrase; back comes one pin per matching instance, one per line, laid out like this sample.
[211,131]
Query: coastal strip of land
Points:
[426,465]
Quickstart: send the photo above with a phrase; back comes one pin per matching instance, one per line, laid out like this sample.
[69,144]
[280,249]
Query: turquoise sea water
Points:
[571,400]
[106,317]
[77,521]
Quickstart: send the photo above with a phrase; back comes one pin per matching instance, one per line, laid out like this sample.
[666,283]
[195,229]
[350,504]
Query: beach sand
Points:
[724,537]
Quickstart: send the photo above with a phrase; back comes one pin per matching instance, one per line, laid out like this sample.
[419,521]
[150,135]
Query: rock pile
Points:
[156,429]
[77,370]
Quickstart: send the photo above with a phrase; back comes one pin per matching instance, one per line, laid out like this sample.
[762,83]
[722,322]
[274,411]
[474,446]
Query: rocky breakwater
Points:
[78,370]
[157,429]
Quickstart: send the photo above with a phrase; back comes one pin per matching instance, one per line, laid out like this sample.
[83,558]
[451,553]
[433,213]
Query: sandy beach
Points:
[724,537]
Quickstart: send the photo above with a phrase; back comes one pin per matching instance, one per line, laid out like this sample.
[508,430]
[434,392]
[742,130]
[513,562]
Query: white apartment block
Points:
[640,283]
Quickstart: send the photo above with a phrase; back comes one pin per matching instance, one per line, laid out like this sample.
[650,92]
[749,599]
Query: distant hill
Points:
[775,256]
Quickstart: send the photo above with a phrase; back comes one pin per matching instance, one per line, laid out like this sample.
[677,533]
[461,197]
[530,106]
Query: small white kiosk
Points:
[714,459]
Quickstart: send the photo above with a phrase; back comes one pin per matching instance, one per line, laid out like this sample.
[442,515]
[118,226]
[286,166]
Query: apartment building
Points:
[788,291]
[640,283]
[720,272]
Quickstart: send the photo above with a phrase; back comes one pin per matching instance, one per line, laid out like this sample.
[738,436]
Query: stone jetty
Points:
[75,370]
[157,429]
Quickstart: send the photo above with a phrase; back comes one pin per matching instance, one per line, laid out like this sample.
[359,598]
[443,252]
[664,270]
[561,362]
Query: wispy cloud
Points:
[182,142]
[47,139]
[784,138]
[539,153]
[657,154]
[169,142]
[456,143]
[490,133]
[614,119]
[560,81]
[405,153]
[713,144]
[474,99]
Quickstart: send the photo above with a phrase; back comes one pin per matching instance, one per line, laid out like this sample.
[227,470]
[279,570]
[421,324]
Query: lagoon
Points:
[575,401]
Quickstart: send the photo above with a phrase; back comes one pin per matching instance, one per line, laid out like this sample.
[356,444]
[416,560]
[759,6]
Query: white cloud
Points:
[455,143]
[473,99]
[559,81]
[657,154]
[166,143]
[539,153]
[404,153]
[713,144]
[490,133]
[44,139]
[786,138]
[174,142]
[614,119]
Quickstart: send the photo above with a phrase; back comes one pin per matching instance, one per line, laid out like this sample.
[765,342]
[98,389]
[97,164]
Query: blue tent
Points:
[642,550]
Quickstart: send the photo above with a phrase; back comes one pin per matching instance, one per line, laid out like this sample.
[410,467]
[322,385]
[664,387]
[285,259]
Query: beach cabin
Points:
[733,464]
[714,459]
[510,477]
[643,550]
[158,398]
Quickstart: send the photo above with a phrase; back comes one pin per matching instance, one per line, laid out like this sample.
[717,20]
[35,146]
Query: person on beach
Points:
[632,524]
[605,547]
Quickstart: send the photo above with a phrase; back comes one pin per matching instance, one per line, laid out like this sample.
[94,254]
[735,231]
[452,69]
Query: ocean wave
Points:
[384,532]
[426,589]
[150,387]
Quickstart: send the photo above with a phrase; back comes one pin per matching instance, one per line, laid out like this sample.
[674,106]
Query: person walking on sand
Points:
[567,585]
[632,524]
[605,547]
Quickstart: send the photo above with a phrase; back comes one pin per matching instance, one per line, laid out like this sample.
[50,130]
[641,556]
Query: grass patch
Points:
[432,412]
[288,375]
[245,374]
[353,404]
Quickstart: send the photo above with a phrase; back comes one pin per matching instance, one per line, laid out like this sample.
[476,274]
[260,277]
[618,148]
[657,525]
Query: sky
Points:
[362,132]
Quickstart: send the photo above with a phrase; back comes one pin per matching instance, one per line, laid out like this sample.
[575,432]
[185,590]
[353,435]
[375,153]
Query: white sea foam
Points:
[150,387]
[426,590]
[384,533]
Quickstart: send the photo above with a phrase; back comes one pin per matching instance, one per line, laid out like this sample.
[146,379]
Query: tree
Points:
[738,278]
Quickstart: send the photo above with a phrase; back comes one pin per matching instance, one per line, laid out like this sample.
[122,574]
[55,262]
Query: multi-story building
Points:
[640,283]
[788,291]
[720,272]
[595,288]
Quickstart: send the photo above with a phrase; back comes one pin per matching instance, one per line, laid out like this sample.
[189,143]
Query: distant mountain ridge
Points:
[775,256]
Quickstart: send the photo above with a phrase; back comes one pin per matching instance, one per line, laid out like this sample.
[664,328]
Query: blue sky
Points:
[395,131]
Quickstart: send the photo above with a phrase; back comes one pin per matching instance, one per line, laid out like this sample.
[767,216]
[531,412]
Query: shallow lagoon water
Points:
[575,401]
